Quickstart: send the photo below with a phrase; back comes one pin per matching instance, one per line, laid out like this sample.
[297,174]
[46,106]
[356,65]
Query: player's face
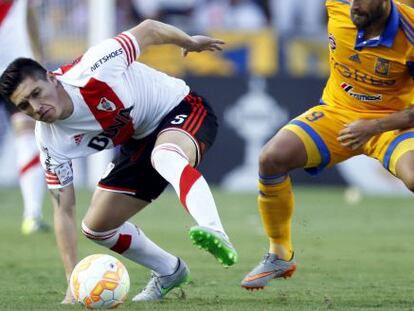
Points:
[365,13]
[39,99]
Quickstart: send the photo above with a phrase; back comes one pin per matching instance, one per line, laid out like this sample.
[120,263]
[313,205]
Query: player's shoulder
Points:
[47,135]
[405,10]
[43,139]
[63,69]
[104,61]
[341,4]
[337,8]
[43,133]
[406,20]
[76,73]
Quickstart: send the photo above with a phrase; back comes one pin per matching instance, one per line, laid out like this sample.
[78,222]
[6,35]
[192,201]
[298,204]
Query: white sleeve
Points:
[129,45]
[58,172]
[112,55]
[103,61]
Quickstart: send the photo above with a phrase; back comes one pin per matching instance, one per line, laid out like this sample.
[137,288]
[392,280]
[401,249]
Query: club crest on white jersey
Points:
[106,105]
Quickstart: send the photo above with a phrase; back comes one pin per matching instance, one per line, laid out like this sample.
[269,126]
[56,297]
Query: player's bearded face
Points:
[365,13]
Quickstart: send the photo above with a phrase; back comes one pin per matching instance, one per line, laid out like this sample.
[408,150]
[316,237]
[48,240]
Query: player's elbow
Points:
[148,22]
[146,33]
[148,25]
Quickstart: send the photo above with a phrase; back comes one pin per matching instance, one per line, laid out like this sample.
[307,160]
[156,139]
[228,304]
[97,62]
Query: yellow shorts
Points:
[318,128]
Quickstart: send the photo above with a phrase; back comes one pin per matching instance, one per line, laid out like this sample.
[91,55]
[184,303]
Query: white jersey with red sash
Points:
[114,98]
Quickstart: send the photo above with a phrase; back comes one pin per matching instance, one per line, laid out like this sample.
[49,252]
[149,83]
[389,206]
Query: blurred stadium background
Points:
[273,68]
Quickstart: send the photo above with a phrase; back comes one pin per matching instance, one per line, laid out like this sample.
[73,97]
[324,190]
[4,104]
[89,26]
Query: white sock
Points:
[191,187]
[131,242]
[31,175]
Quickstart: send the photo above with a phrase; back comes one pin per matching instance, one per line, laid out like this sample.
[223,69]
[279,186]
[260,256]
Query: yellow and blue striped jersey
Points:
[374,75]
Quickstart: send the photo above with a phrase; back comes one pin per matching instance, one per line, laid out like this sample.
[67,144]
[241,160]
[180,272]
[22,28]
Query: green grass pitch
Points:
[358,257]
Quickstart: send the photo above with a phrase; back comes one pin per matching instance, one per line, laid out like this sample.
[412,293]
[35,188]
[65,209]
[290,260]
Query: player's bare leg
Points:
[282,153]
[109,210]
[106,223]
[174,157]
[405,169]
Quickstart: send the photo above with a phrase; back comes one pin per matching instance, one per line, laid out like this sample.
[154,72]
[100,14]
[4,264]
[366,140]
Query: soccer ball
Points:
[100,282]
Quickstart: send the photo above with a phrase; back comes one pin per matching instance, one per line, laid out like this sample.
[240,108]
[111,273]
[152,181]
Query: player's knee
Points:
[92,233]
[157,156]
[86,231]
[273,162]
[166,153]
[103,238]
[91,223]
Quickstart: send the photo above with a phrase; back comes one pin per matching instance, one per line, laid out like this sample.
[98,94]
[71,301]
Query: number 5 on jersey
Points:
[179,119]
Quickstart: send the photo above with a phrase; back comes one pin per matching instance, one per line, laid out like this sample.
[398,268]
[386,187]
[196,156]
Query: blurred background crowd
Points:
[297,26]
[205,15]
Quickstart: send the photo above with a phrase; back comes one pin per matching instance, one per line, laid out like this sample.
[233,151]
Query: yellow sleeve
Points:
[336,7]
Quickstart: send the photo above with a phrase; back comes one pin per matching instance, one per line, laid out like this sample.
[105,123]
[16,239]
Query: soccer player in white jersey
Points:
[107,98]
[15,41]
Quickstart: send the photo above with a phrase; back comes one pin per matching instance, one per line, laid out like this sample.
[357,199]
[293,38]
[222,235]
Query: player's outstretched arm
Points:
[63,201]
[151,32]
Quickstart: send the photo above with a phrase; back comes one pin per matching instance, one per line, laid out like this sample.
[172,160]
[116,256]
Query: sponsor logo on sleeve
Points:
[106,58]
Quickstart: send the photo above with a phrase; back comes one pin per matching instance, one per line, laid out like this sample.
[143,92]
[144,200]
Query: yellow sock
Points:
[276,208]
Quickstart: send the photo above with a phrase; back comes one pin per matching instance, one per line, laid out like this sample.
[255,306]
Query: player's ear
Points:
[51,78]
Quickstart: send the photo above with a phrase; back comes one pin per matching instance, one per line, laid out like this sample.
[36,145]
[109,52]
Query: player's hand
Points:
[203,43]
[357,133]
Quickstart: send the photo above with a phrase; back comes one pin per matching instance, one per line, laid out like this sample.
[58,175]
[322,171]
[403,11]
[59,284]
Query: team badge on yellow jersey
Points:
[382,66]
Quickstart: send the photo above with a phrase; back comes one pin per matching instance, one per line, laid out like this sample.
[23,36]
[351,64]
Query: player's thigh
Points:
[131,171]
[405,169]
[192,125]
[318,129]
[109,210]
[394,149]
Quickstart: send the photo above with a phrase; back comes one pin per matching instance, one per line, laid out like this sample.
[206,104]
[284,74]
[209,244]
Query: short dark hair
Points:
[18,70]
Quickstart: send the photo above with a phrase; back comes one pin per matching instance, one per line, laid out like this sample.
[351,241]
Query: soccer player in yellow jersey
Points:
[366,108]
